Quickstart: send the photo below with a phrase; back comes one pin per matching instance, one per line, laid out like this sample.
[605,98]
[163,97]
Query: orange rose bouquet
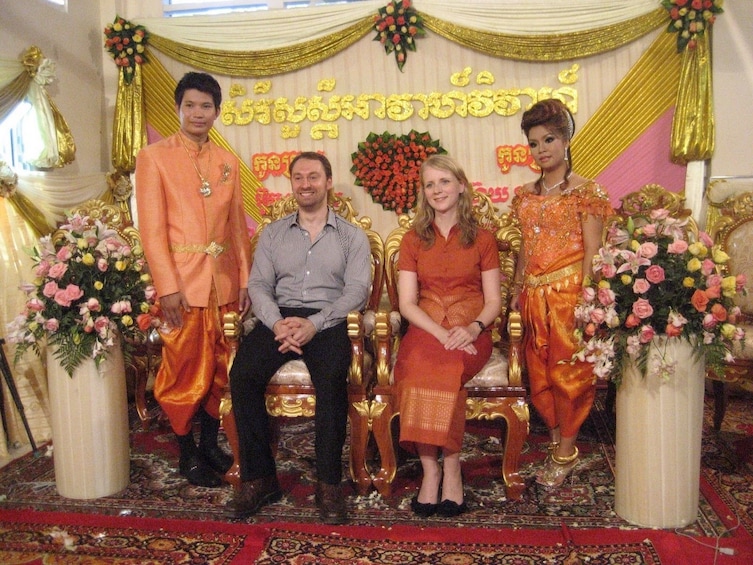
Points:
[657,275]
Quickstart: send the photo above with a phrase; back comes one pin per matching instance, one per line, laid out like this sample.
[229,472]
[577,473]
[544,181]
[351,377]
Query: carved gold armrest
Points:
[383,343]
[515,333]
[357,344]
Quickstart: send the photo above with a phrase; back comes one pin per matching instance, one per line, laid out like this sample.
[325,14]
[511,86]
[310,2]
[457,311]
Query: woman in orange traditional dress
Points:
[561,217]
[449,293]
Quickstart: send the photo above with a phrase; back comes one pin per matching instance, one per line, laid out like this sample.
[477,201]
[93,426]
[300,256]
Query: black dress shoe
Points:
[253,495]
[423,509]
[197,472]
[216,458]
[449,508]
[331,504]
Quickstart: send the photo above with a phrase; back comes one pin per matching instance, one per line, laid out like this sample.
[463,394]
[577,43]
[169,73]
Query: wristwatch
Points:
[480,324]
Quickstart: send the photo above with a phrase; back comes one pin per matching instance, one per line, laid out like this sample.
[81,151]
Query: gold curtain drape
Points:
[693,124]
[549,47]
[129,129]
[264,63]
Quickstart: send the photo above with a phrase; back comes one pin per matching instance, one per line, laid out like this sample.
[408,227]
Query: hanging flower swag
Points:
[387,166]
[397,26]
[126,43]
[690,18]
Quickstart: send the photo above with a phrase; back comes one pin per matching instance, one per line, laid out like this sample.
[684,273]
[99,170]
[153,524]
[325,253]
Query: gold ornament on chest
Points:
[205,189]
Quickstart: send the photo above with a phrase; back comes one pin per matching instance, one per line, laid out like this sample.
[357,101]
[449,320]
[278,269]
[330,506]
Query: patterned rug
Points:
[159,518]
[585,502]
[30,538]
[290,546]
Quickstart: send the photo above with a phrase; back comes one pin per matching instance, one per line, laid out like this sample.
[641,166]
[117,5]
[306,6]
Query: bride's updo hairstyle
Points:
[555,116]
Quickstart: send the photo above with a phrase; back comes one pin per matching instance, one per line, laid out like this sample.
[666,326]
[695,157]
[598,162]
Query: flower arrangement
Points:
[397,25]
[657,275]
[126,43]
[690,18]
[8,180]
[388,165]
[90,286]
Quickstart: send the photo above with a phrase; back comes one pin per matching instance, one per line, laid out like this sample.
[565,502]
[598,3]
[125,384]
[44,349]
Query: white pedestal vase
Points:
[658,443]
[89,414]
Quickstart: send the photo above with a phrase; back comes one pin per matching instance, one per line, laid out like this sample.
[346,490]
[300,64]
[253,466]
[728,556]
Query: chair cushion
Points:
[296,373]
[494,373]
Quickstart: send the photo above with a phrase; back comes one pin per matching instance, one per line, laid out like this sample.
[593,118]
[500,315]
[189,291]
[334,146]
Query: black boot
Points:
[192,465]
[212,454]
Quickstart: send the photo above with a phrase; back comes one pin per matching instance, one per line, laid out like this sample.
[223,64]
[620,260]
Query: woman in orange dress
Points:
[449,293]
[561,217]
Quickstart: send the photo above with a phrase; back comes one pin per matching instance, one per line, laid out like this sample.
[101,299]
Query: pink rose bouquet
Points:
[657,275]
[90,287]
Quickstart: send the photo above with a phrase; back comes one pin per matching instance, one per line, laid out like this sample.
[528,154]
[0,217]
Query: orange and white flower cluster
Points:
[126,44]
[657,277]
[90,287]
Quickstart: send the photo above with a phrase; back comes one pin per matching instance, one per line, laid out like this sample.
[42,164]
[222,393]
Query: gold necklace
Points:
[206,188]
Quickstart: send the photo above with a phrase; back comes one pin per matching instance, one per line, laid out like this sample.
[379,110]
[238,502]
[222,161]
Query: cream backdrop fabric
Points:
[252,31]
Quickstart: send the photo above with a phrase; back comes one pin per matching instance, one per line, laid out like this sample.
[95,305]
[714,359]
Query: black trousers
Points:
[327,357]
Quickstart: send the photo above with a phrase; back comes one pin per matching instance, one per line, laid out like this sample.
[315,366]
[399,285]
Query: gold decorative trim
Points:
[279,405]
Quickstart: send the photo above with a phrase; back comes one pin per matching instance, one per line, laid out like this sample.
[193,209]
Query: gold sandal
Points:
[551,448]
[556,469]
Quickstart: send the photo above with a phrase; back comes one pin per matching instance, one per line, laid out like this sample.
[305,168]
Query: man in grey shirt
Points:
[309,270]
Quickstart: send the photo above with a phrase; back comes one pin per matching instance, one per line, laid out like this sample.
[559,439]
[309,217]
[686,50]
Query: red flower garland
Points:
[397,25]
[387,166]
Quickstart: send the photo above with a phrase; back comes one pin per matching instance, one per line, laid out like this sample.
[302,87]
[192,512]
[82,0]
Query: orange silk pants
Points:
[193,373]
[561,392]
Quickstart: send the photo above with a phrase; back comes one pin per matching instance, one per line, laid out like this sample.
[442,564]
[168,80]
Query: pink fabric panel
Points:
[645,161]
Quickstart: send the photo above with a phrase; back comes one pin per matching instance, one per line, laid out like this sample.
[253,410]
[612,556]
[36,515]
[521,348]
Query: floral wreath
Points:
[690,18]
[396,26]
[126,43]
[387,166]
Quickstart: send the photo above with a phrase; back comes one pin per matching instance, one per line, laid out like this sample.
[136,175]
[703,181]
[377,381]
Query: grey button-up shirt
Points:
[332,274]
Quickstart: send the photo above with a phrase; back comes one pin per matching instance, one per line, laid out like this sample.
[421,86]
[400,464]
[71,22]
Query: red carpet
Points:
[161,519]
[29,537]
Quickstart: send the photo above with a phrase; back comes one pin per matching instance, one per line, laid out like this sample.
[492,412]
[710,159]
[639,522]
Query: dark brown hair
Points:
[554,115]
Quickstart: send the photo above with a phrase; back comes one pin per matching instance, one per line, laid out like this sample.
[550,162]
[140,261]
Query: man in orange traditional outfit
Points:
[190,215]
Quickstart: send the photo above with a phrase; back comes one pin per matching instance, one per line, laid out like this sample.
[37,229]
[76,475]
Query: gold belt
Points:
[548,278]
[214,249]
